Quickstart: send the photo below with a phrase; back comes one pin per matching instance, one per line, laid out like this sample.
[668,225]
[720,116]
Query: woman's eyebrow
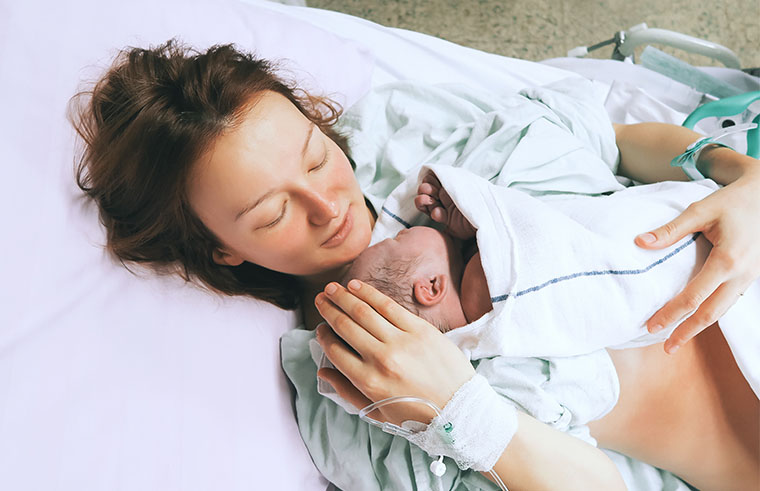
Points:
[253,205]
[308,139]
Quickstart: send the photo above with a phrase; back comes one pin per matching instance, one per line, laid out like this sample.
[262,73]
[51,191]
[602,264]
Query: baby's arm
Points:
[435,202]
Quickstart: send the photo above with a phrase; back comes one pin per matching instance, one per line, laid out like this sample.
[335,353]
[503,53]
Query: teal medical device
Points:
[732,106]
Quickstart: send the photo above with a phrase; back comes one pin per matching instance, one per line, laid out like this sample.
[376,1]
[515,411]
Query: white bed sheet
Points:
[110,380]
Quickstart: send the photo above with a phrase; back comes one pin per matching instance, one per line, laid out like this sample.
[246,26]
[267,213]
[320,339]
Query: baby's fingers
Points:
[428,189]
[431,180]
[424,203]
[430,207]
[439,214]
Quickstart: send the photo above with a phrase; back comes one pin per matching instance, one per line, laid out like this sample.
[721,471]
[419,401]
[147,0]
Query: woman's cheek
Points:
[273,248]
[291,242]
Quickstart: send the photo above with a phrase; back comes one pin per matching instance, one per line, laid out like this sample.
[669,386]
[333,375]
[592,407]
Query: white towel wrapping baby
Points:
[564,275]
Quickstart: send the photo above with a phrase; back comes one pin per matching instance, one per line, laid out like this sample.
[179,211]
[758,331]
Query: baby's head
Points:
[421,269]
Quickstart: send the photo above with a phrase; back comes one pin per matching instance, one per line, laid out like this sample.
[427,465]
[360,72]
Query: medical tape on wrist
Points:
[473,429]
[688,160]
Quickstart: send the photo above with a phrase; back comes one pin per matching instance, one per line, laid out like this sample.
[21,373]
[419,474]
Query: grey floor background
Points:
[540,29]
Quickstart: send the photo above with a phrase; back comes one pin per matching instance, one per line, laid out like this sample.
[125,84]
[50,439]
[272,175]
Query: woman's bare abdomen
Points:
[692,413]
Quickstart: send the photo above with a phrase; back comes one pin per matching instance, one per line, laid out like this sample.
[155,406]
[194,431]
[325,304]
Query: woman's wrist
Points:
[473,428]
[724,165]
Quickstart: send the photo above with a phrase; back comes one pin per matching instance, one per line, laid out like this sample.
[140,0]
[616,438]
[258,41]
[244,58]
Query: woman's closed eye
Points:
[278,219]
[282,212]
[324,161]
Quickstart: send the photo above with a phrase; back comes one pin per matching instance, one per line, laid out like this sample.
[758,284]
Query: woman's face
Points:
[279,193]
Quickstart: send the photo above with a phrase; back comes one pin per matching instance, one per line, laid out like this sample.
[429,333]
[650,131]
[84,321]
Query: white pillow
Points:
[110,380]
[114,381]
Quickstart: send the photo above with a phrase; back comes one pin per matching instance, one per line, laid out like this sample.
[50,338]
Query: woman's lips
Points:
[340,235]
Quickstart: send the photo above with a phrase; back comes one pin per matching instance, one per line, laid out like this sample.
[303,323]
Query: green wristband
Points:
[688,160]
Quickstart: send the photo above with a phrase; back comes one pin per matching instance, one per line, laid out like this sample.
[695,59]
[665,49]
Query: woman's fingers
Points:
[338,352]
[408,356]
[395,314]
[707,314]
[684,224]
[344,387]
[353,316]
[347,321]
[697,291]
[707,296]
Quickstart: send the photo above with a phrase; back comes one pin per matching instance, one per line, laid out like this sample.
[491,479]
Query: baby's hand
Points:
[436,203]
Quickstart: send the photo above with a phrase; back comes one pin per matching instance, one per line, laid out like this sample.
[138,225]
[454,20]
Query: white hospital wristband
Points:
[473,429]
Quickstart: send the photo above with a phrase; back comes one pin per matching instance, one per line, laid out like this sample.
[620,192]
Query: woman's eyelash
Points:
[277,220]
[324,161]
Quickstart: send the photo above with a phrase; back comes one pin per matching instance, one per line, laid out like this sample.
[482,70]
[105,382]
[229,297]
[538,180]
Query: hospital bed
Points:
[112,379]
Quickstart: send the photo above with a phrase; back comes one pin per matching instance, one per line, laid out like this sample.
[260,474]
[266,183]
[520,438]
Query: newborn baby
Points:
[440,277]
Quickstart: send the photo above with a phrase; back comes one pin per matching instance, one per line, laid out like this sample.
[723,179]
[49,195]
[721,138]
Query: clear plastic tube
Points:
[394,429]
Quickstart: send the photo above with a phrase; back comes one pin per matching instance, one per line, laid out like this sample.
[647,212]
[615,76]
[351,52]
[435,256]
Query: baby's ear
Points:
[430,291]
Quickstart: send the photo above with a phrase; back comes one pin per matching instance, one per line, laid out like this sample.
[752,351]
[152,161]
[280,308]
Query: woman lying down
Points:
[208,163]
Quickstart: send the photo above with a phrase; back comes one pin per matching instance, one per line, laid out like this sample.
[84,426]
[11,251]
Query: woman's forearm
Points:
[540,457]
[646,150]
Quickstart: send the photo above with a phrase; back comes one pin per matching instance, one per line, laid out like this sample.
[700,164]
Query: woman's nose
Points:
[321,208]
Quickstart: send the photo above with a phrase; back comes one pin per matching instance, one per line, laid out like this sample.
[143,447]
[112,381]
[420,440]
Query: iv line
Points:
[437,467]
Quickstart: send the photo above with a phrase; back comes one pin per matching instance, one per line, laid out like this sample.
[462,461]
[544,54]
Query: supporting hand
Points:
[384,350]
[729,219]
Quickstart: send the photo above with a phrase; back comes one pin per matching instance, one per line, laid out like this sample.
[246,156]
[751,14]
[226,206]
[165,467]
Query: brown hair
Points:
[392,276]
[144,125]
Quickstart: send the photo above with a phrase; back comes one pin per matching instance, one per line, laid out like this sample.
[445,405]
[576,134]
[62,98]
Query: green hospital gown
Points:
[545,141]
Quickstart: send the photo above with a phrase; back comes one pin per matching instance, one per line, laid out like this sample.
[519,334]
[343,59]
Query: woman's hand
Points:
[729,219]
[383,350]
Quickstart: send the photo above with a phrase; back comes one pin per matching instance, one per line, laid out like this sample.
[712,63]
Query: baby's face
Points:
[433,252]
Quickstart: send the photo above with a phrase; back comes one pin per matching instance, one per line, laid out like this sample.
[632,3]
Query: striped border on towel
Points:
[396,217]
[607,272]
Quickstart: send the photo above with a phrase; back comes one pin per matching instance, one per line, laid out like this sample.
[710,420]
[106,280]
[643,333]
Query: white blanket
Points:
[564,275]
